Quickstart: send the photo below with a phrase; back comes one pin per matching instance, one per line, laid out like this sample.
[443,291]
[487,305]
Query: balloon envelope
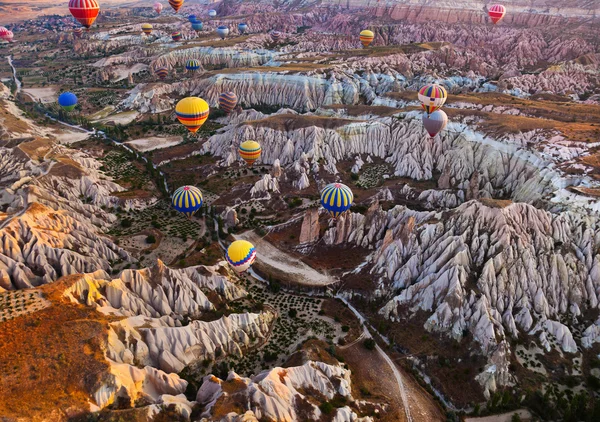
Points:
[241,254]
[187,200]
[336,198]
[212,13]
[197,26]
[176,4]
[67,100]
[432,97]
[161,72]
[276,35]
[222,31]
[85,11]
[176,36]
[228,101]
[250,151]
[158,7]
[192,112]
[192,18]
[242,27]
[435,122]
[147,28]
[496,12]
[192,64]
[78,32]
[366,37]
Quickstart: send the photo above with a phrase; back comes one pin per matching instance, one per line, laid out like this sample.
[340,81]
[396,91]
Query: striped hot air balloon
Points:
[212,13]
[67,100]
[8,36]
[250,151]
[366,37]
[228,101]
[496,13]
[242,27]
[176,4]
[197,26]
[432,97]
[78,32]
[176,36]
[435,122]
[275,35]
[192,65]
[3,32]
[222,31]
[336,198]
[241,254]
[147,28]
[85,11]
[162,73]
[158,7]
[192,112]
[187,200]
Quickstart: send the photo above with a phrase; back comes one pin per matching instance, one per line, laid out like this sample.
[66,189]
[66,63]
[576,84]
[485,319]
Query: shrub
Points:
[125,223]
[369,344]
[151,239]
[292,313]
[345,328]
[326,407]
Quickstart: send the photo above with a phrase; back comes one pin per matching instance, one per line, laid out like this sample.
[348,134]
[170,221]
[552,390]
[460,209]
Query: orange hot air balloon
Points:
[176,4]
[85,11]
[366,37]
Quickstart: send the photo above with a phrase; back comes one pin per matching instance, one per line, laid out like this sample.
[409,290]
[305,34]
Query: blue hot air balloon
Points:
[212,13]
[197,26]
[192,18]
[242,27]
[187,200]
[192,65]
[336,198]
[67,100]
[222,31]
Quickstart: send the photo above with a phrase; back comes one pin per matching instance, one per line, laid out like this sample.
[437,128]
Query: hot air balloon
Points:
[250,151]
[78,32]
[67,100]
[158,7]
[366,37]
[176,4]
[9,36]
[192,112]
[496,12]
[222,31]
[212,13]
[176,36]
[162,73]
[435,122]
[147,28]
[242,27]
[197,26]
[276,35]
[187,200]
[192,65]
[241,255]
[85,11]
[228,101]
[336,198]
[5,34]
[192,18]
[432,97]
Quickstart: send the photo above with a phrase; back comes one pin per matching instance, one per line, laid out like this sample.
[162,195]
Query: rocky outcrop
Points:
[309,231]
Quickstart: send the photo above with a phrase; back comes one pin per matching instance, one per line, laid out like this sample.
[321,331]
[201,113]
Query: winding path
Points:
[17,81]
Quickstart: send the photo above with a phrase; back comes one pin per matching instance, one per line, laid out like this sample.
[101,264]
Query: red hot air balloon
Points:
[496,12]
[85,11]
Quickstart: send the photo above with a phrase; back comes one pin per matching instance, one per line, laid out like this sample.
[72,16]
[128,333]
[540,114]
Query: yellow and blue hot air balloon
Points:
[192,112]
[336,198]
[240,255]
[187,200]
[67,100]
[192,65]
[250,151]
[147,28]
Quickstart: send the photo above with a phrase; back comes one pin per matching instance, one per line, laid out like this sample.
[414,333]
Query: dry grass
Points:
[361,110]
[287,122]
[52,360]
[44,149]
[495,203]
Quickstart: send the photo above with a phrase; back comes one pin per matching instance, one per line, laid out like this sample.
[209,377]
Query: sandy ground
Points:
[122,72]
[505,417]
[123,118]
[102,113]
[154,142]
[45,95]
[69,136]
[284,266]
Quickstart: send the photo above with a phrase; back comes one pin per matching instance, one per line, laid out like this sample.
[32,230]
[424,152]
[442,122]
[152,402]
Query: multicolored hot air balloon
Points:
[212,13]
[78,32]
[192,18]
[192,112]
[222,31]
[158,7]
[228,101]
[187,200]
[197,26]
[250,151]
[496,13]
[241,254]
[162,73]
[432,97]
[192,65]
[366,37]
[176,4]
[336,198]
[176,36]
[435,122]
[67,100]
[5,34]
[85,11]
[276,35]
[147,28]
[242,27]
